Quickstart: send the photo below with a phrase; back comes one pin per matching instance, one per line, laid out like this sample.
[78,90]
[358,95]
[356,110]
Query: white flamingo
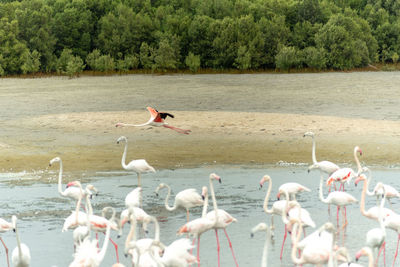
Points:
[188,198]
[222,218]
[134,198]
[21,256]
[324,166]
[5,227]
[175,255]
[366,251]
[157,120]
[199,226]
[337,198]
[263,227]
[71,191]
[139,165]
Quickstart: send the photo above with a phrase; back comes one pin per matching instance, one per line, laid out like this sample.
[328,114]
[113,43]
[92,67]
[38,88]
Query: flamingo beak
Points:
[203,197]
[251,235]
[220,180]
[49,164]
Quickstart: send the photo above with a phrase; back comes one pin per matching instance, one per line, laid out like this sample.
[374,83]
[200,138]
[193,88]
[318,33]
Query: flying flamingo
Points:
[324,166]
[222,218]
[187,199]
[292,189]
[338,198]
[366,251]
[176,254]
[21,256]
[72,192]
[346,174]
[199,226]
[376,236]
[157,119]
[265,228]
[277,207]
[139,165]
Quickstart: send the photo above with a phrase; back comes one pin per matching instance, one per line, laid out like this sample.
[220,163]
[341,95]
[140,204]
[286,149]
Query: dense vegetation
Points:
[69,36]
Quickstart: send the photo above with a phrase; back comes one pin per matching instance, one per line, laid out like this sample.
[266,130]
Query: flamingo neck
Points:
[264,259]
[167,198]
[18,242]
[156,228]
[123,160]
[266,199]
[296,230]
[362,202]
[60,179]
[359,169]
[381,214]
[284,213]
[314,158]
[321,196]
[214,199]
[78,204]
[205,206]
[370,259]
[131,235]
[102,253]
[369,193]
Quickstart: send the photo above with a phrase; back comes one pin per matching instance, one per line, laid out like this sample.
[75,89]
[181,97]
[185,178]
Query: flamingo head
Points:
[216,177]
[258,227]
[122,138]
[162,185]
[56,159]
[119,124]
[278,196]
[308,134]
[363,252]
[90,188]
[362,177]
[204,192]
[357,149]
[264,179]
[73,183]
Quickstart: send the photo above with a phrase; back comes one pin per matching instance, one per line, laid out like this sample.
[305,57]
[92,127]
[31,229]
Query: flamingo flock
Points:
[145,248]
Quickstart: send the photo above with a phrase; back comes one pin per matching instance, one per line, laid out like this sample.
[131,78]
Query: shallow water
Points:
[41,211]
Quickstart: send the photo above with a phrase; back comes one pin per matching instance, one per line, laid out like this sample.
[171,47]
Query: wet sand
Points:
[82,129]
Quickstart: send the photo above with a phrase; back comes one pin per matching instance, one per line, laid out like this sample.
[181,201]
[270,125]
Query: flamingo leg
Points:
[97,238]
[187,215]
[379,253]
[283,242]
[337,215]
[8,262]
[179,130]
[198,251]
[218,248]
[272,228]
[191,250]
[116,248]
[397,249]
[230,245]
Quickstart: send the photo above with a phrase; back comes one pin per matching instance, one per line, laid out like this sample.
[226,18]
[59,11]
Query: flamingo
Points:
[393,222]
[134,198]
[187,199]
[139,165]
[71,191]
[156,119]
[346,174]
[314,253]
[21,256]
[324,166]
[296,214]
[199,226]
[376,236]
[5,227]
[293,189]
[321,235]
[263,227]
[221,218]
[175,255]
[373,212]
[139,249]
[87,253]
[277,207]
[140,215]
[366,251]
[338,198]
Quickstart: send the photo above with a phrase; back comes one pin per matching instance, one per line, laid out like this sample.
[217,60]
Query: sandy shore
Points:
[87,141]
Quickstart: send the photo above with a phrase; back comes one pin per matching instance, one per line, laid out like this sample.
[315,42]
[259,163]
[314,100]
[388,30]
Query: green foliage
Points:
[74,66]
[193,62]
[395,57]
[47,35]
[288,57]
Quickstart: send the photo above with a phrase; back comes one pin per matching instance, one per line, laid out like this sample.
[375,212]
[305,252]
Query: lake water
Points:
[41,211]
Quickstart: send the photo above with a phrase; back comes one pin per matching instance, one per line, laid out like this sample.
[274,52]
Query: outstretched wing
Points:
[163,115]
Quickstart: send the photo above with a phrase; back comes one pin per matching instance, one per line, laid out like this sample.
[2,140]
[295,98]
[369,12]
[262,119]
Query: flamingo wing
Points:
[189,198]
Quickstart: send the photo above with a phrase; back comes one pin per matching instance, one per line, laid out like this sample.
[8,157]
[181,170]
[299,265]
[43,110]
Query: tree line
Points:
[69,36]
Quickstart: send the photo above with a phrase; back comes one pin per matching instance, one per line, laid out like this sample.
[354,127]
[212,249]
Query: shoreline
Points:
[87,141]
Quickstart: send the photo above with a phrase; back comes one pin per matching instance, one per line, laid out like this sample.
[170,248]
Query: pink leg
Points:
[337,215]
[198,251]
[218,248]
[116,248]
[182,131]
[191,250]
[379,253]
[397,250]
[230,245]
[97,238]
[8,263]
[283,242]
